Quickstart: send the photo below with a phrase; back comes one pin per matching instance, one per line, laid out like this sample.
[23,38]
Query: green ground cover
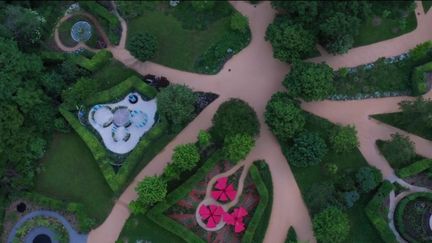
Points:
[426,5]
[370,31]
[70,173]
[394,164]
[361,228]
[187,39]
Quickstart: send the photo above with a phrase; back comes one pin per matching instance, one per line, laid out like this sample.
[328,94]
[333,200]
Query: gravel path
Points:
[74,236]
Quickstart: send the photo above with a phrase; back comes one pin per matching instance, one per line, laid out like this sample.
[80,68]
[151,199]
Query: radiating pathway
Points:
[255,75]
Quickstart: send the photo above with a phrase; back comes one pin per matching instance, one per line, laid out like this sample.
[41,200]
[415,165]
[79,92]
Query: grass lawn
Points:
[395,164]
[396,120]
[70,173]
[361,228]
[387,29]
[426,5]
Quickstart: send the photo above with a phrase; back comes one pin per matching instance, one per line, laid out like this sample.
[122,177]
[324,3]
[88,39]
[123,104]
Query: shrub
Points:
[344,139]
[142,46]
[100,59]
[239,22]
[234,117]
[309,149]
[291,236]
[310,81]
[331,168]
[414,168]
[350,198]
[368,178]
[418,78]
[176,104]
[320,196]
[150,190]
[421,53]
[204,139]
[237,147]
[185,157]
[399,149]
[331,225]
[284,116]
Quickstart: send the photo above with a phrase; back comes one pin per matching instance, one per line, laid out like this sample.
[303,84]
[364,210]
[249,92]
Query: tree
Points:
[237,147]
[320,196]
[79,91]
[176,104]
[368,178]
[142,46]
[204,139]
[151,190]
[290,42]
[344,139]
[399,149]
[239,22]
[421,109]
[185,157]
[310,81]
[304,12]
[202,5]
[309,149]
[234,117]
[331,225]
[350,198]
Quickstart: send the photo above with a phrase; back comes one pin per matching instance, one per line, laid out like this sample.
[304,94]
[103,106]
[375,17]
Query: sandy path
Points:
[255,75]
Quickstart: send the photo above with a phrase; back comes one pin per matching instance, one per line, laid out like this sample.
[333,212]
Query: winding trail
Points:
[255,75]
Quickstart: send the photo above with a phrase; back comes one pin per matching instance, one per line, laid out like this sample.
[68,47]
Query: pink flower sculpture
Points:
[211,213]
[223,192]
[236,219]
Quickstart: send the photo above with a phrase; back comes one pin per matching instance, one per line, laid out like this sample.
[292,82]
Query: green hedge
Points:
[100,59]
[415,168]
[52,56]
[156,213]
[379,216]
[85,222]
[257,227]
[133,83]
[398,217]
[108,20]
[418,78]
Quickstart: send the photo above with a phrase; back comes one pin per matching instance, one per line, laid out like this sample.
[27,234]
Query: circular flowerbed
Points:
[26,233]
[81,31]
[412,217]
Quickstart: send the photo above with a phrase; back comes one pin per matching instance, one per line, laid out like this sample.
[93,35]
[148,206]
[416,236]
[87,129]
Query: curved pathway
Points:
[255,75]
[74,236]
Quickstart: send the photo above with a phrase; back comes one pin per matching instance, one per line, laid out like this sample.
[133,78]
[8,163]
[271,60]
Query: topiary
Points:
[237,147]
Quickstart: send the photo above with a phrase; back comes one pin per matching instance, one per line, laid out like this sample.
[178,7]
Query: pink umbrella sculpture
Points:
[236,219]
[223,191]
[211,213]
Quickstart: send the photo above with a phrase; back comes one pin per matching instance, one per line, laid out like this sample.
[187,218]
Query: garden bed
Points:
[65,28]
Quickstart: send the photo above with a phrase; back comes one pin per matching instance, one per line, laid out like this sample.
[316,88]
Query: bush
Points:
[399,149]
[368,178]
[331,225]
[415,168]
[176,104]
[418,78]
[309,149]
[377,213]
[185,157]
[284,116]
[234,117]
[310,81]
[320,196]
[100,59]
[291,236]
[142,46]
[204,139]
[151,190]
[344,139]
[237,147]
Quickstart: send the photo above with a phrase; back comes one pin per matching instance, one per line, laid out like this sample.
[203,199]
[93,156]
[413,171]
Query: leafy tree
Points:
[344,139]
[151,190]
[291,236]
[331,168]
[421,109]
[331,225]
[202,5]
[234,117]
[368,178]
[345,181]
[350,198]
[320,196]
[337,32]
[304,12]
[309,149]
[310,81]
[239,22]
[204,139]
[185,157]
[290,42]
[79,91]
[237,147]
[399,149]
[142,46]
[284,116]
[176,104]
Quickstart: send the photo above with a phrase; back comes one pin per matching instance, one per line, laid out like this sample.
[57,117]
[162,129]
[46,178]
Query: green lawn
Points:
[361,228]
[70,173]
[387,29]
[426,5]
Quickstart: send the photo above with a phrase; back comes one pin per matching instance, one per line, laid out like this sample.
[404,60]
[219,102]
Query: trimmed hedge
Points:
[415,168]
[418,78]
[378,215]
[100,59]
[156,213]
[398,217]
[108,20]
[133,83]
[52,56]
[257,227]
